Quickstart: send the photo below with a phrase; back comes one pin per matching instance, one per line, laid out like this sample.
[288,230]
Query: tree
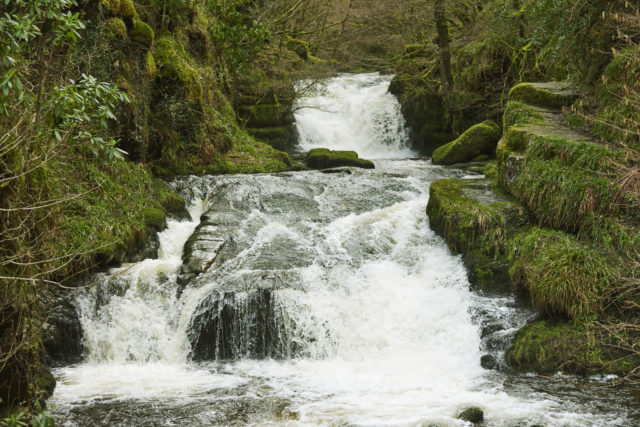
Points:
[446,77]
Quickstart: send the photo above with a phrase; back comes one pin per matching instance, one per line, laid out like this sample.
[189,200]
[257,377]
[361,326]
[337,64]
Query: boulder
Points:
[475,141]
[322,158]
[473,415]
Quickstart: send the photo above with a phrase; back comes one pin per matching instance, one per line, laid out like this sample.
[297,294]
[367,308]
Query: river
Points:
[326,300]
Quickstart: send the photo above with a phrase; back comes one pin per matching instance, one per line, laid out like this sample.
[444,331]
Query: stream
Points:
[311,298]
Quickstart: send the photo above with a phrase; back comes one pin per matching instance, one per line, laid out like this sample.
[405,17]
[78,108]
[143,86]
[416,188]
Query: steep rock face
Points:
[232,325]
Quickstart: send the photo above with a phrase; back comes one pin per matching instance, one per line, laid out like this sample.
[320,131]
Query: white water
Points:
[381,309]
[353,112]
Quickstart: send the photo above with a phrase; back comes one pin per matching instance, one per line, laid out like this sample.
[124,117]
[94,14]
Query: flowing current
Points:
[310,298]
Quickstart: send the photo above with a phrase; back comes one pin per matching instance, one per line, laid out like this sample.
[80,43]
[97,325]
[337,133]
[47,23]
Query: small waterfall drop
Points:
[306,299]
[352,112]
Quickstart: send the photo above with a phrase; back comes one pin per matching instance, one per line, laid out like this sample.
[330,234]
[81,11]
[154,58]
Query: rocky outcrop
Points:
[478,140]
[322,158]
[569,259]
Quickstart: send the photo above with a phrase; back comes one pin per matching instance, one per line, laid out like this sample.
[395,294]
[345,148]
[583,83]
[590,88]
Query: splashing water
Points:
[372,316]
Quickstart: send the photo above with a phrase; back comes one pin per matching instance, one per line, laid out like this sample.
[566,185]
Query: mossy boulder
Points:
[549,346]
[142,33]
[116,28]
[322,158]
[550,95]
[154,218]
[479,139]
[127,9]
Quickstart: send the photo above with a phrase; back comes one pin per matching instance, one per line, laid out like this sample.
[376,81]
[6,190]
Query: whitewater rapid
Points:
[376,314]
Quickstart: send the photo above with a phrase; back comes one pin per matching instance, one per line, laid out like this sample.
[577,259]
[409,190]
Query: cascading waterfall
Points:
[307,299]
[352,112]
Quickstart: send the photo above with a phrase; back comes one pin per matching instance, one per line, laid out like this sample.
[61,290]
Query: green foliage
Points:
[22,22]
[237,37]
[78,107]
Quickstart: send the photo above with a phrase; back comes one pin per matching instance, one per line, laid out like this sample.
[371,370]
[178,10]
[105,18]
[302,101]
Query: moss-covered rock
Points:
[322,158]
[116,28]
[110,7]
[142,33]
[172,202]
[127,9]
[549,346]
[549,95]
[154,218]
[176,69]
[279,137]
[266,115]
[477,221]
[479,139]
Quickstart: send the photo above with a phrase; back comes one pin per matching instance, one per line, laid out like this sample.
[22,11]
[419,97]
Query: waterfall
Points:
[352,112]
[305,299]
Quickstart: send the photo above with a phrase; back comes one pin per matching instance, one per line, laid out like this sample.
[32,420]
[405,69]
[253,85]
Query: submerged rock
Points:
[322,158]
[488,361]
[473,415]
[478,140]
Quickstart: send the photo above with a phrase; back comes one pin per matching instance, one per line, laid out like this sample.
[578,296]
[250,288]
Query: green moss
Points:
[172,202]
[127,9]
[517,113]
[141,33]
[300,47]
[561,275]
[116,28]
[279,137]
[549,95]
[491,170]
[414,50]
[479,139]
[266,115]
[470,216]
[110,7]
[174,66]
[154,218]
[548,346]
[322,158]
[150,65]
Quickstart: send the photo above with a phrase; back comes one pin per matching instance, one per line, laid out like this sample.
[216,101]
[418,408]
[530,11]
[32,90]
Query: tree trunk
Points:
[446,77]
